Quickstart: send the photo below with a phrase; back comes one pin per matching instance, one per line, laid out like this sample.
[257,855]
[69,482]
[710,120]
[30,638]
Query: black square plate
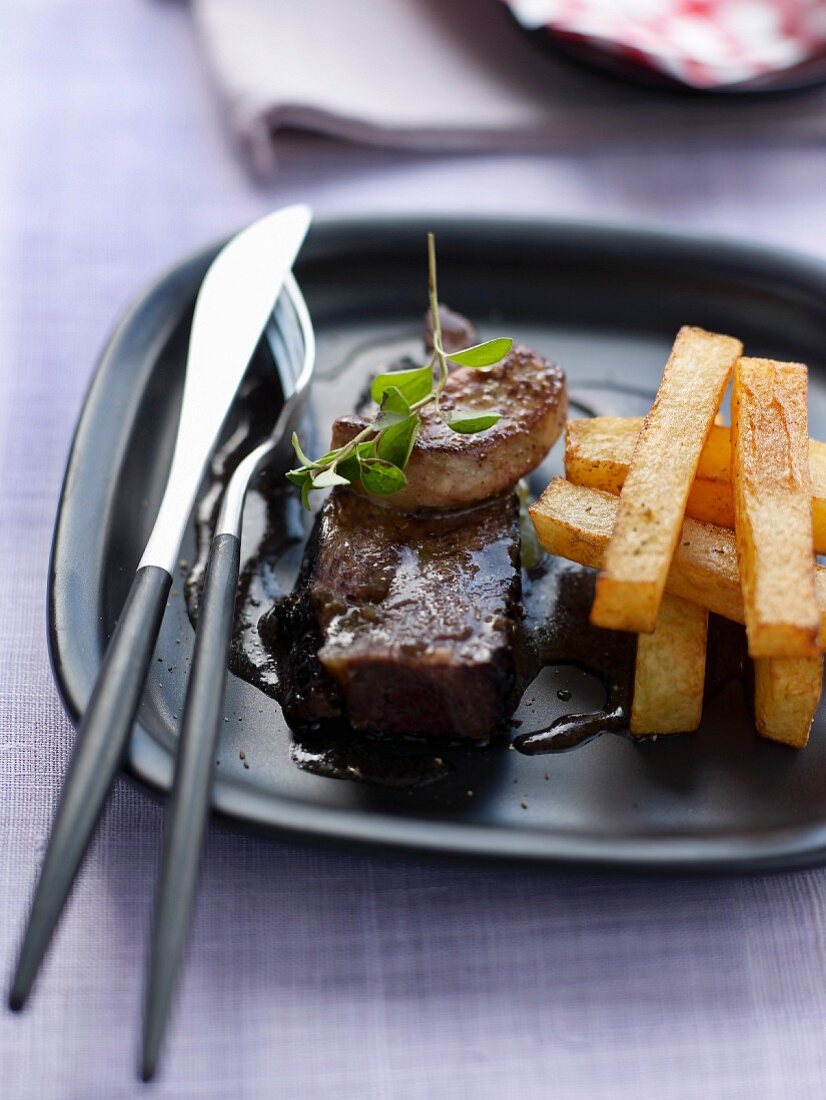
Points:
[604,303]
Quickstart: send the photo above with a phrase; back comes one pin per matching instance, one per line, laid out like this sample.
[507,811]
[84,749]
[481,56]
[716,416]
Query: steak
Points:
[403,623]
[404,617]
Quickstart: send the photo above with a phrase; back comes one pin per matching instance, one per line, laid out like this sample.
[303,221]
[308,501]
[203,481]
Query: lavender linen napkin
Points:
[448,75]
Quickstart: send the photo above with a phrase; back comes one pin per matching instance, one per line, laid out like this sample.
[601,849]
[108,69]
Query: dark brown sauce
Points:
[368,760]
[555,632]
[558,633]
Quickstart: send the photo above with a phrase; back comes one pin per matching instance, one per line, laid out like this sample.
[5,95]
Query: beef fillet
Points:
[403,623]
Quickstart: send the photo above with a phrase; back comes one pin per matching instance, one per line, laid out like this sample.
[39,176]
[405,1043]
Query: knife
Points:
[233,305]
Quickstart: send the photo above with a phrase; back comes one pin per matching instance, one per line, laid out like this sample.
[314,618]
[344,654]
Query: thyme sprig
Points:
[376,457]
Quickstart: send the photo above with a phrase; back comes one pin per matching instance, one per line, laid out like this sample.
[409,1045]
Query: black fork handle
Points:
[190,802]
[98,754]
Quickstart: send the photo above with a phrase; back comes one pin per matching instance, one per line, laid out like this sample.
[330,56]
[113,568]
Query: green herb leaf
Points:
[377,455]
[412,384]
[396,442]
[469,423]
[381,478]
[350,467]
[325,479]
[304,480]
[302,458]
[394,409]
[298,477]
[482,355]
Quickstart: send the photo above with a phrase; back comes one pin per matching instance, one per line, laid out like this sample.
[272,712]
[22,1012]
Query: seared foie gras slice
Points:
[404,624]
[448,470]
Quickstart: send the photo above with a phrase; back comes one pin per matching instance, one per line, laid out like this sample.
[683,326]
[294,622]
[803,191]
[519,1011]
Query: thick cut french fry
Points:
[575,522]
[598,450]
[598,453]
[669,675]
[772,507]
[786,694]
[653,498]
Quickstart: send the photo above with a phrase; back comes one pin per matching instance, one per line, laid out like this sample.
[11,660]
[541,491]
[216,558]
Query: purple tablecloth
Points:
[313,973]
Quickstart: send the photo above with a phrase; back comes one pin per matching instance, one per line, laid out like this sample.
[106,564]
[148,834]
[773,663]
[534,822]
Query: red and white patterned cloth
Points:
[702,43]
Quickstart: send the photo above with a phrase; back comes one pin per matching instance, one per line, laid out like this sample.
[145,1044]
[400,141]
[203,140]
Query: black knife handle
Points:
[192,787]
[98,753]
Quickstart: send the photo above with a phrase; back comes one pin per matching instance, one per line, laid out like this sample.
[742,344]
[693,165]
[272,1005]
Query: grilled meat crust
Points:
[404,624]
[447,470]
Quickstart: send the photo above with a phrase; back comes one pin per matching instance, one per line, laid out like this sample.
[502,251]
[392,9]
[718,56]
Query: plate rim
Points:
[150,765]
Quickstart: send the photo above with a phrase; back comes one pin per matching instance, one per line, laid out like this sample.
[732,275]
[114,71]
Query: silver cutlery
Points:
[293,343]
[235,300]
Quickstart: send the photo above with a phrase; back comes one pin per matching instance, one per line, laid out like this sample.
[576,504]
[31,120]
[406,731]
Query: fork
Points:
[232,309]
[292,340]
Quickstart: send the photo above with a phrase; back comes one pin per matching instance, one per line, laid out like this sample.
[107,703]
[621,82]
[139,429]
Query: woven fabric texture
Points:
[313,973]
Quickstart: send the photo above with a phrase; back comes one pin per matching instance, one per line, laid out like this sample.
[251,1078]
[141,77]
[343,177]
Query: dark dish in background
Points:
[717,47]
